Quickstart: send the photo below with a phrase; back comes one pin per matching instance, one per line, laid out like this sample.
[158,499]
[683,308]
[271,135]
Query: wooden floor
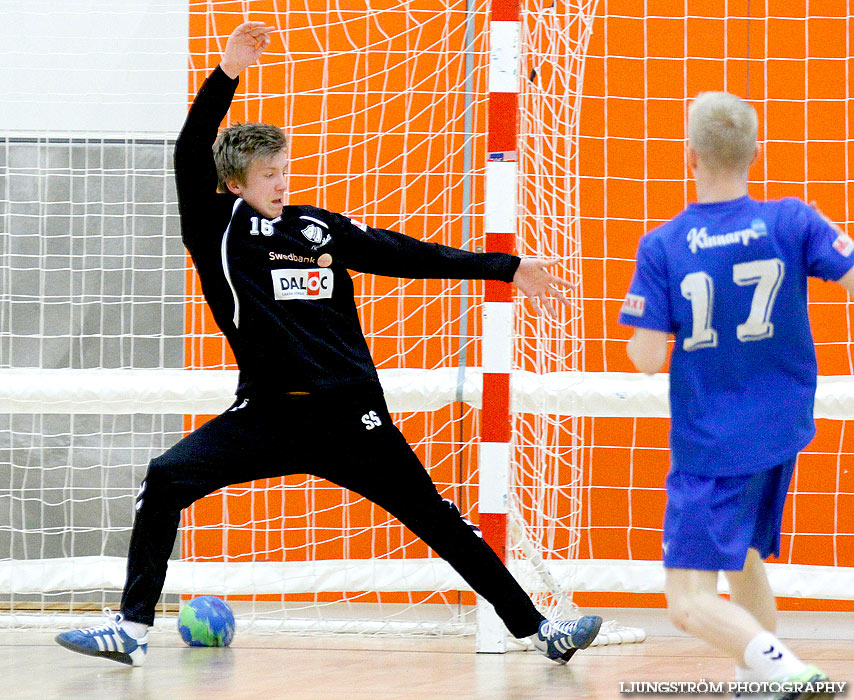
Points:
[260,667]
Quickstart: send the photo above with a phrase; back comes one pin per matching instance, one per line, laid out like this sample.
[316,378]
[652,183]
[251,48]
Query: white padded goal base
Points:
[388,575]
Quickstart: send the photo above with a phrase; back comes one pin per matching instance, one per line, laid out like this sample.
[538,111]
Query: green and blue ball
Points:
[206,621]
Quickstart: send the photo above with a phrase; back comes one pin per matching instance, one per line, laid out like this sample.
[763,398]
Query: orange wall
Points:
[639,74]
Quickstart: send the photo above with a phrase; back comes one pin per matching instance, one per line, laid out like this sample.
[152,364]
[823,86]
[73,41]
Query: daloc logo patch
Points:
[302,284]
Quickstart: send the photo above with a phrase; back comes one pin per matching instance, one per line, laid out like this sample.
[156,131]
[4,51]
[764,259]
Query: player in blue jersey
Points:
[728,278]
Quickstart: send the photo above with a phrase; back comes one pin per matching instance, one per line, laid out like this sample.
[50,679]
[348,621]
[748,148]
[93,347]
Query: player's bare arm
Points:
[244,47]
[648,350]
[847,280]
[540,286]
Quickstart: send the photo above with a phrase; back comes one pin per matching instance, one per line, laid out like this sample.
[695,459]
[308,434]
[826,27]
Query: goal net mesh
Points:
[109,354]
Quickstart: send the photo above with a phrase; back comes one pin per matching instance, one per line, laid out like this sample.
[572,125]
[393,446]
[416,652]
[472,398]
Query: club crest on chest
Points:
[316,235]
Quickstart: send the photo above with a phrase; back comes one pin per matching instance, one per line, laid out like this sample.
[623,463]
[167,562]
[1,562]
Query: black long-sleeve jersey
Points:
[292,324]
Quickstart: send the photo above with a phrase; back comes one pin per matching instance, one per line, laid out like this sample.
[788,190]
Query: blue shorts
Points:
[711,522]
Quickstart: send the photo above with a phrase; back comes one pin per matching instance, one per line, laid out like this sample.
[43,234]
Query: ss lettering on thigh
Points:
[371,420]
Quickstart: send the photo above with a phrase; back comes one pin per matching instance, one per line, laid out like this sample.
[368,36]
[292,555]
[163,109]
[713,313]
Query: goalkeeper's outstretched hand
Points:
[540,286]
[244,47]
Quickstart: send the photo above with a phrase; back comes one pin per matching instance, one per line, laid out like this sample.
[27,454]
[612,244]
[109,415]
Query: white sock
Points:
[770,658]
[137,630]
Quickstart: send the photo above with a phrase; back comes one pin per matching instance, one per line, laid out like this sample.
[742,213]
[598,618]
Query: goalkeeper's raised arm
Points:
[196,175]
[244,47]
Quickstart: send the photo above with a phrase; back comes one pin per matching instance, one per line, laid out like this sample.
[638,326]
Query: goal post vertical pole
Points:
[497,348]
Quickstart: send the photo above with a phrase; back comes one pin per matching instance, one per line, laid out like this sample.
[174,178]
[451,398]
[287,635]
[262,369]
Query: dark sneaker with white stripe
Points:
[108,640]
[559,640]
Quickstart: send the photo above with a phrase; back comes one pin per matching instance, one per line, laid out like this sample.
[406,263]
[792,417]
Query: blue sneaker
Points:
[559,640]
[108,640]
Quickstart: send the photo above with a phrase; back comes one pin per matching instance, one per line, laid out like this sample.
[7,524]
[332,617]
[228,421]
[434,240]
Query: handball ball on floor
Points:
[206,621]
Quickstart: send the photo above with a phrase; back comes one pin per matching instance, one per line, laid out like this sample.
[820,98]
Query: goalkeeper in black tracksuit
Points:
[308,399]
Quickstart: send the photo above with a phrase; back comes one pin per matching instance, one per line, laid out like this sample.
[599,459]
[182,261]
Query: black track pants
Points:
[347,438]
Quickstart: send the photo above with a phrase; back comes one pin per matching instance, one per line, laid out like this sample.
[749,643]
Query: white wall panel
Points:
[93,66]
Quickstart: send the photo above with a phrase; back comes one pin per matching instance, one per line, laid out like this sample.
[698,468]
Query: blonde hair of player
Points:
[722,130]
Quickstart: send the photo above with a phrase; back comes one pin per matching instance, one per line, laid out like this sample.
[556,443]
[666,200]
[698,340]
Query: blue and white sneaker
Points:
[108,640]
[558,640]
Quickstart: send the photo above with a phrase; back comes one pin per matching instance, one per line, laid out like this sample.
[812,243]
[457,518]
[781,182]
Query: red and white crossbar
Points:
[497,348]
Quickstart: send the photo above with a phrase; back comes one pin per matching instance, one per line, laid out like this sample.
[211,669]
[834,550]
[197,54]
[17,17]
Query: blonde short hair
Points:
[239,145]
[722,130]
